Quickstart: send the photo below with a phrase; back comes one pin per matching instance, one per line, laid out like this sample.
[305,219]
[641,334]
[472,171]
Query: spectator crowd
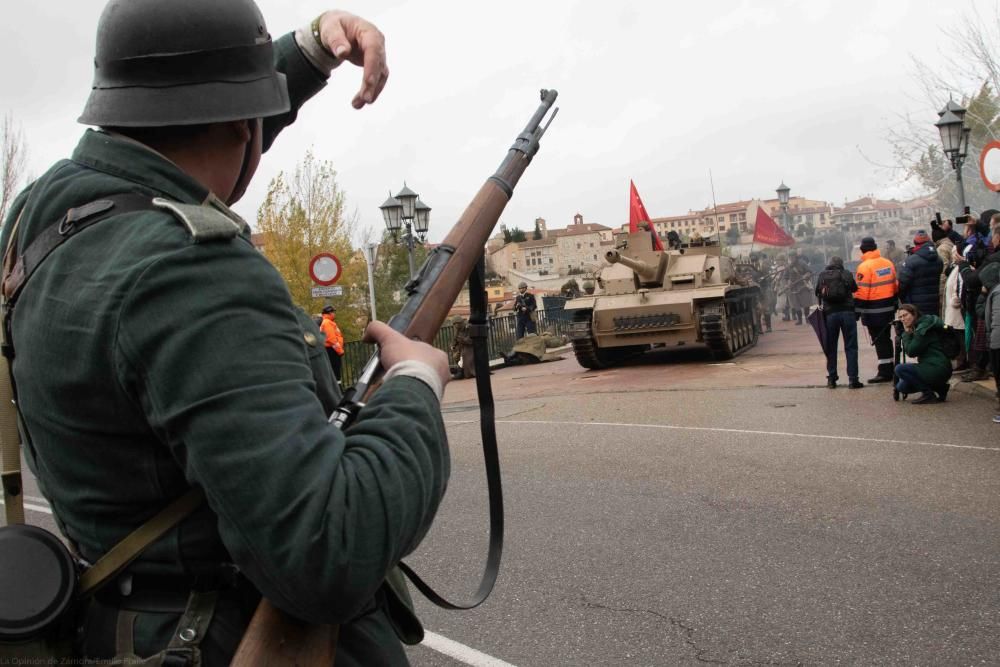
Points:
[940,299]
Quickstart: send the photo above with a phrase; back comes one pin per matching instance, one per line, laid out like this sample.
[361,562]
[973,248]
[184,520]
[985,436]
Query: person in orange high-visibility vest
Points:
[334,339]
[875,304]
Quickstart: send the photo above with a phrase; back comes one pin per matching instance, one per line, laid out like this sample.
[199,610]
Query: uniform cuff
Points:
[319,57]
[420,371]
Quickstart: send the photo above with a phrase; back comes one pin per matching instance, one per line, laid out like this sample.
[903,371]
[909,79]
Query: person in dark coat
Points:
[920,277]
[835,290]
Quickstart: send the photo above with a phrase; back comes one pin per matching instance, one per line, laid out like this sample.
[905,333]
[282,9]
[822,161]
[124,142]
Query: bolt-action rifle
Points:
[275,639]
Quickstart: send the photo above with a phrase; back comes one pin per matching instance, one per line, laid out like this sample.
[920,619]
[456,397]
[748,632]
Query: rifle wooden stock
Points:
[273,638]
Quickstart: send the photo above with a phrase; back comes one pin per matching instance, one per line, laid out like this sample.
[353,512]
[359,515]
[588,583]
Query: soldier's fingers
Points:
[378,332]
[371,46]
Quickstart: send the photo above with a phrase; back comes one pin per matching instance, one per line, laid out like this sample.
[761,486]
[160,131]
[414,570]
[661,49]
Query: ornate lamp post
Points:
[406,209]
[783,191]
[955,140]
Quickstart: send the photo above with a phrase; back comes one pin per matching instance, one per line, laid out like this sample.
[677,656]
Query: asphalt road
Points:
[720,519]
[676,511]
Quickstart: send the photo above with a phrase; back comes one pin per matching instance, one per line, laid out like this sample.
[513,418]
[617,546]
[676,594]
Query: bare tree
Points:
[13,156]
[968,73]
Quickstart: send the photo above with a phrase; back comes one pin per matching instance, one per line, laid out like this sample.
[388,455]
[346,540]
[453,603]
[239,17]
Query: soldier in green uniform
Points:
[190,366]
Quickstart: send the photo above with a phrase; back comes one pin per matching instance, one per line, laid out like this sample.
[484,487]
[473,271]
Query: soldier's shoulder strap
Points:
[209,221]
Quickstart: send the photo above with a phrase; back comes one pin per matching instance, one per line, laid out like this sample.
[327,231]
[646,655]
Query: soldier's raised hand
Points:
[357,41]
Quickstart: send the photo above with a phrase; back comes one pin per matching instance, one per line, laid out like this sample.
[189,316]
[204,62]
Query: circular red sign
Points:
[989,165]
[324,269]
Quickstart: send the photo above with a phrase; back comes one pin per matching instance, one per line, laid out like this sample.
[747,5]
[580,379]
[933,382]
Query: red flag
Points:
[766,231]
[637,213]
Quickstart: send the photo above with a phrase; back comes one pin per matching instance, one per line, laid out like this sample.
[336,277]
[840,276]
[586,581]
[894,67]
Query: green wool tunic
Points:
[924,344]
[147,363]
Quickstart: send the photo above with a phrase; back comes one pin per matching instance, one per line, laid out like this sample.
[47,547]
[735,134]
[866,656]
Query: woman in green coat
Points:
[921,340]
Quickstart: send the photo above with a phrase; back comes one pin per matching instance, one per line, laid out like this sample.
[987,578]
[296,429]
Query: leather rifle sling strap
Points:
[479,332]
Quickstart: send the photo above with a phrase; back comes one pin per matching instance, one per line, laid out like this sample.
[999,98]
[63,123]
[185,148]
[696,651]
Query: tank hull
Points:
[698,303]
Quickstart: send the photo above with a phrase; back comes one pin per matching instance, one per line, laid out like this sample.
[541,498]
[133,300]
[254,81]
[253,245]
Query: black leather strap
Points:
[73,222]
[479,332]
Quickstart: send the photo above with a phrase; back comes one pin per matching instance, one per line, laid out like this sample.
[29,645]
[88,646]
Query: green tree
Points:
[733,235]
[392,272]
[538,232]
[517,236]
[303,214]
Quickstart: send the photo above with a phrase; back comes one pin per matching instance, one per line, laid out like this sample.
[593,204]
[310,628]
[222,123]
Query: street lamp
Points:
[406,209]
[955,139]
[783,191]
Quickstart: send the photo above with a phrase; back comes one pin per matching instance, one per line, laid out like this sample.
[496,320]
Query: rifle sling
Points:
[479,331]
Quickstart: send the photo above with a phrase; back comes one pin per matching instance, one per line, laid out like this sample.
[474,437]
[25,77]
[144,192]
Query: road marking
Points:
[34,508]
[461,652]
[739,430]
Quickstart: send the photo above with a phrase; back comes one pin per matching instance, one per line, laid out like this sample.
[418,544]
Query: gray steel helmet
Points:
[183,62]
[522,286]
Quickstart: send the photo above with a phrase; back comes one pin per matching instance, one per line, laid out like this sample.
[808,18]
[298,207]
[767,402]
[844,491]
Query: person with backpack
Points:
[922,339]
[835,290]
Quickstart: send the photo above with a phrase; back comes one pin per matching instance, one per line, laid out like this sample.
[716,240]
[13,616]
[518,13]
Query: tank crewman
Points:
[334,342]
[157,398]
[525,307]
[875,304]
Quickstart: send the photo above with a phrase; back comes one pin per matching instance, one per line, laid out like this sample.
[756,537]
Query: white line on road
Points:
[35,508]
[461,652]
[738,430]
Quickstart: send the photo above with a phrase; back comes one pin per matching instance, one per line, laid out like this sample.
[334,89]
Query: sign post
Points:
[989,165]
[371,251]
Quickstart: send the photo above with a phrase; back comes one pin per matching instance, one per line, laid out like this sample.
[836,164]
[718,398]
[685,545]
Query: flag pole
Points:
[715,207]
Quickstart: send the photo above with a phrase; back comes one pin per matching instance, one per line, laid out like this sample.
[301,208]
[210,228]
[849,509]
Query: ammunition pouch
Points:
[38,586]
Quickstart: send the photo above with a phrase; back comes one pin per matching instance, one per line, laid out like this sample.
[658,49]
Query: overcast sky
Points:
[755,91]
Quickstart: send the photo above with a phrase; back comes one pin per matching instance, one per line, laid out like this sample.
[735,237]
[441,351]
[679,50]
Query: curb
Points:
[982,388]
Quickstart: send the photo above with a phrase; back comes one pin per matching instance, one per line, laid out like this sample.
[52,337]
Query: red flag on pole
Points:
[768,232]
[637,213]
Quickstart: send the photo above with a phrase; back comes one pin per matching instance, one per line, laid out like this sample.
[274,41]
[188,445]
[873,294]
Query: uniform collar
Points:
[871,254]
[126,158]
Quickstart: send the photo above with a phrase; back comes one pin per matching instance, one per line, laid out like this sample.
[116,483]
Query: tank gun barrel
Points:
[647,273]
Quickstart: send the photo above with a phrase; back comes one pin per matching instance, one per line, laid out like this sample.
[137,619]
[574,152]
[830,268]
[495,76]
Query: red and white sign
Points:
[989,165]
[324,269]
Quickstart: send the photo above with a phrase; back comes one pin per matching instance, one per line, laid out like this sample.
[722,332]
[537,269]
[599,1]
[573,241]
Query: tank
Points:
[691,295]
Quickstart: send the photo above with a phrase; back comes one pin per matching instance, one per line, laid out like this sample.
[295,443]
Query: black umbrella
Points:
[817,319]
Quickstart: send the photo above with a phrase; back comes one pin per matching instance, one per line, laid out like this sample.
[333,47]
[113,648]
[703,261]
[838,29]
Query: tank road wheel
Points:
[716,330]
[588,354]
[728,327]
[584,346]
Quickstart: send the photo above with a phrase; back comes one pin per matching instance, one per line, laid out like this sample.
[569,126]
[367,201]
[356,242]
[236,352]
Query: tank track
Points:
[730,326]
[588,354]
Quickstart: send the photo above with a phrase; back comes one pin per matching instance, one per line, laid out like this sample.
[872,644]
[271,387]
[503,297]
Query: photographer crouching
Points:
[921,340]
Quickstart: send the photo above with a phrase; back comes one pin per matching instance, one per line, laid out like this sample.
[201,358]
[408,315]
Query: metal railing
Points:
[501,339]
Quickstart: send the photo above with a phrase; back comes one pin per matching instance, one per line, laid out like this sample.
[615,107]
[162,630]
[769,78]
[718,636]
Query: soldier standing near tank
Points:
[525,307]
[798,278]
[462,351]
[188,94]
[768,299]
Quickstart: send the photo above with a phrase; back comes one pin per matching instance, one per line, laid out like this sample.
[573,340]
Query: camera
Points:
[936,222]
